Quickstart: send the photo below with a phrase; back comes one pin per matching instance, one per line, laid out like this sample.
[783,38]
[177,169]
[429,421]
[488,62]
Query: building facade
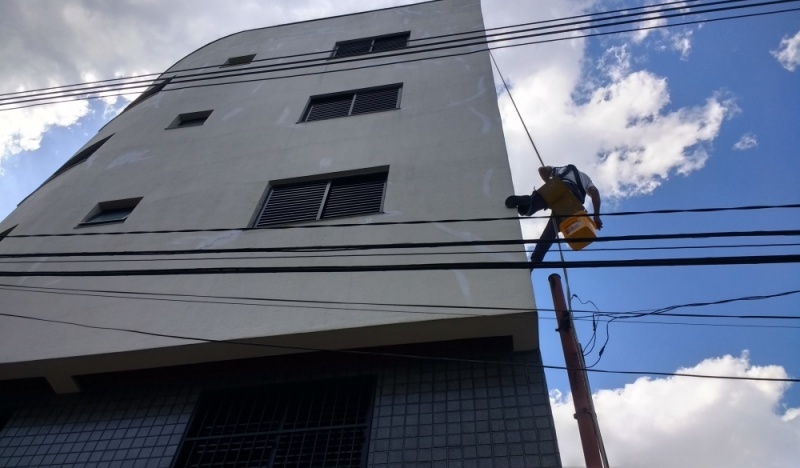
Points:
[205,283]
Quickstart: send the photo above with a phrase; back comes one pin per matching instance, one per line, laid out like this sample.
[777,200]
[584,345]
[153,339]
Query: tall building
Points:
[228,306]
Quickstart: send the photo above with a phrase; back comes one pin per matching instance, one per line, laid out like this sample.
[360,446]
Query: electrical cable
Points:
[448,55]
[407,223]
[663,311]
[401,254]
[652,9]
[658,262]
[221,72]
[402,245]
[388,354]
[214,299]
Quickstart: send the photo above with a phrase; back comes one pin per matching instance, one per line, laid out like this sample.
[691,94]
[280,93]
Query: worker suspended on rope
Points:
[564,193]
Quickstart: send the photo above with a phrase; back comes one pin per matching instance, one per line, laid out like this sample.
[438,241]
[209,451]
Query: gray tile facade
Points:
[427,413]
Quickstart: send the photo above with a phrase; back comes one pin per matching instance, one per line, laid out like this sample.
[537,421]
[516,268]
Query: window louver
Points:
[355,196]
[372,101]
[352,103]
[323,199]
[316,424]
[329,108]
[371,45]
[293,203]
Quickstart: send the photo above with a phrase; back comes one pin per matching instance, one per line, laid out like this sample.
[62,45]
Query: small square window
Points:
[192,119]
[108,212]
[240,60]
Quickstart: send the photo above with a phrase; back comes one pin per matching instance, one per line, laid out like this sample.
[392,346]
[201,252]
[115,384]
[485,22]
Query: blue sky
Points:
[673,129]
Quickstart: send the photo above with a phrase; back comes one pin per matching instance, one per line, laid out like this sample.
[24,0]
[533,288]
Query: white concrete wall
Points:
[446,157]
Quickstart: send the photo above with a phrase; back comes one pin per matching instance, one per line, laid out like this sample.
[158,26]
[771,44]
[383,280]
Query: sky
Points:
[688,117]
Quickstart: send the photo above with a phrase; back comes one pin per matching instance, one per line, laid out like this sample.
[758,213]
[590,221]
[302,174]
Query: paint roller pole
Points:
[577,379]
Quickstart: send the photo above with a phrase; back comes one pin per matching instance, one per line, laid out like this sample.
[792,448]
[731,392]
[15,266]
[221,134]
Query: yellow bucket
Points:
[578,227]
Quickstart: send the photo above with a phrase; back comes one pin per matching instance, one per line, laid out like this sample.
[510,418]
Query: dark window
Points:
[322,423]
[107,212]
[240,60]
[352,103]
[149,92]
[79,158]
[323,199]
[370,45]
[192,119]
[5,233]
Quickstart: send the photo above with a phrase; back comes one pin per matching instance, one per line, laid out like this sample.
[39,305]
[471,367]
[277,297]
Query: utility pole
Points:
[593,450]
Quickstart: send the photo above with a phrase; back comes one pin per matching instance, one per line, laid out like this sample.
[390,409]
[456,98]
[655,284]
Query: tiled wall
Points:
[427,413]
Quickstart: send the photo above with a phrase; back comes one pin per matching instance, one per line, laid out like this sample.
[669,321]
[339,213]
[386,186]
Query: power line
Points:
[221,72]
[652,9]
[404,245]
[407,223]
[388,354]
[348,305]
[455,54]
[406,254]
[701,261]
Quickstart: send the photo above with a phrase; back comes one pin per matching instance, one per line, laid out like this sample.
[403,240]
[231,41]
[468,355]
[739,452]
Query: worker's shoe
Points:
[521,202]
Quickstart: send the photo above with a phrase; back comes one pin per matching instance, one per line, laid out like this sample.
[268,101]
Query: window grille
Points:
[371,45]
[353,103]
[324,199]
[314,424]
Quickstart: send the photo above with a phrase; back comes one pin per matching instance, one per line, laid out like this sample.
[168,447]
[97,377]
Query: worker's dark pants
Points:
[527,205]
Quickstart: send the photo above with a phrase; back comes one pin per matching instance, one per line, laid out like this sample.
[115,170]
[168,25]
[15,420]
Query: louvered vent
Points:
[293,203]
[322,199]
[353,103]
[329,107]
[316,424]
[378,100]
[353,196]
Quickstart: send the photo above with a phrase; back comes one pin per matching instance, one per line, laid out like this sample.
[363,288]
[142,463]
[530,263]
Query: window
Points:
[352,103]
[79,158]
[371,45]
[323,199]
[108,212]
[5,233]
[149,92]
[324,423]
[240,60]
[192,119]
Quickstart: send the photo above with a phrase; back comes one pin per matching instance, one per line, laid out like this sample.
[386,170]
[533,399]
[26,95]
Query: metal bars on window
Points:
[353,103]
[300,425]
[323,199]
[371,45]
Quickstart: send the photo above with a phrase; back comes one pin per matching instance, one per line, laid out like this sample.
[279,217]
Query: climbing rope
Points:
[539,156]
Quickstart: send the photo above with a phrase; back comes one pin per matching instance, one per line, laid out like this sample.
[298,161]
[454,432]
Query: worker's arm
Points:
[544,172]
[594,194]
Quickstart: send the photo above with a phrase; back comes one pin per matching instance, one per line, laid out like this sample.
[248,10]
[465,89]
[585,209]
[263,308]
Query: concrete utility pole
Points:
[593,450]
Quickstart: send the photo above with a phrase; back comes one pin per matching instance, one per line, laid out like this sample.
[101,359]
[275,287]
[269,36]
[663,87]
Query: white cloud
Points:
[75,41]
[687,422]
[788,53]
[746,142]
